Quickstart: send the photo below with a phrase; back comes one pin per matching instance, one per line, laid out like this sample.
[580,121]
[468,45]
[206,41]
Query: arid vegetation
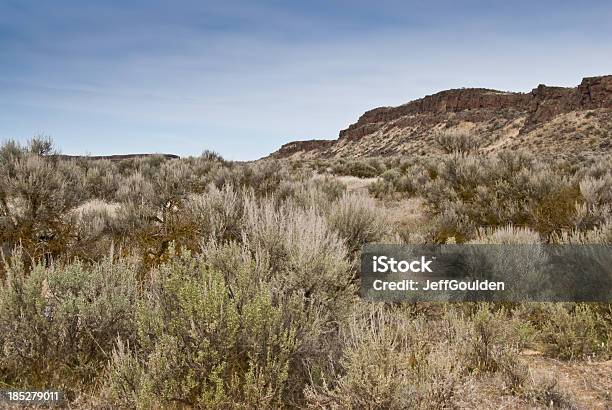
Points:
[204,283]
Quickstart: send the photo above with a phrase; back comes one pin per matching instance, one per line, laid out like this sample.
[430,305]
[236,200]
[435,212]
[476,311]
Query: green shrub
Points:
[576,333]
[358,168]
[500,190]
[381,188]
[58,324]
[204,343]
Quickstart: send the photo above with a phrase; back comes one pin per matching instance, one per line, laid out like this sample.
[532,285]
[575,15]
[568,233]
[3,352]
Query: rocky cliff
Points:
[543,118]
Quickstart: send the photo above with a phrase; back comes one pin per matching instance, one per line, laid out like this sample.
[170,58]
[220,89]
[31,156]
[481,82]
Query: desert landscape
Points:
[152,281]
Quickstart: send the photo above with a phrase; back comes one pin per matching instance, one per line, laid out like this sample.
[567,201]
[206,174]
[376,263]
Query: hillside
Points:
[548,120]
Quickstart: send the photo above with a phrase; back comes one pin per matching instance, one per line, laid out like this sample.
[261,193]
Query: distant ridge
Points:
[548,120]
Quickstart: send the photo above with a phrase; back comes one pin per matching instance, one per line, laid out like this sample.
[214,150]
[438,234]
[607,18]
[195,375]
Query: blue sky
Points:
[244,77]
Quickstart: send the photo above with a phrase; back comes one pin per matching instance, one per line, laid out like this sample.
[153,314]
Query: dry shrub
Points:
[360,168]
[35,193]
[507,235]
[457,142]
[555,210]
[92,231]
[358,220]
[148,231]
[41,145]
[598,235]
[302,250]
[266,314]
[381,188]
[597,191]
[217,213]
[102,180]
[157,211]
[386,364]
[545,392]
[452,225]
[263,177]
[137,189]
[318,193]
[463,192]
[485,339]
[514,374]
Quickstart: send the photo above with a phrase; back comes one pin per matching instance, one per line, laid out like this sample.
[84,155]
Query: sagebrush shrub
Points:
[204,343]
[507,235]
[316,316]
[500,190]
[302,249]
[376,367]
[102,180]
[35,193]
[93,228]
[217,213]
[545,391]
[457,142]
[598,235]
[58,324]
[576,332]
[484,339]
[358,220]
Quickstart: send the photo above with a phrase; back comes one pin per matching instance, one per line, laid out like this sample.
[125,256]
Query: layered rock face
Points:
[440,103]
[547,102]
[498,118]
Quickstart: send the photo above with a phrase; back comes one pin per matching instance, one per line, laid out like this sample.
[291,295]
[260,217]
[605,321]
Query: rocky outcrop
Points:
[547,102]
[542,103]
[443,102]
[498,114]
[294,147]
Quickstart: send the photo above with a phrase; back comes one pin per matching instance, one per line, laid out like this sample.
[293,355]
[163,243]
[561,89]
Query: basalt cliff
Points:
[547,120]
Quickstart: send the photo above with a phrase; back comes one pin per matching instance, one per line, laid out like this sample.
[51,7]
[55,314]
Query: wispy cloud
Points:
[243,78]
